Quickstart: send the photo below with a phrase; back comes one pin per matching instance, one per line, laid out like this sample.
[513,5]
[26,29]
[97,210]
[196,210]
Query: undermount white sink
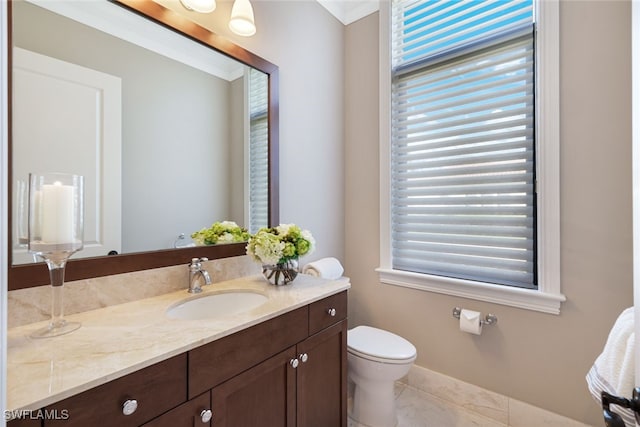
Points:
[210,306]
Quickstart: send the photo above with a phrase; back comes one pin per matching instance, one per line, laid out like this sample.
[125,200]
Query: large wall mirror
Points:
[172,126]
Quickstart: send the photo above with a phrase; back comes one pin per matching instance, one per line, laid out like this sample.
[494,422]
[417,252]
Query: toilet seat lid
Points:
[379,343]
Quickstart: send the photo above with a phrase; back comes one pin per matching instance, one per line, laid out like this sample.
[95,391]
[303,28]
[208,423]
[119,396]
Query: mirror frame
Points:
[30,275]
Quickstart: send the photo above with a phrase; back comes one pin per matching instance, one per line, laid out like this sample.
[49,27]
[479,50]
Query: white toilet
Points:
[376,359]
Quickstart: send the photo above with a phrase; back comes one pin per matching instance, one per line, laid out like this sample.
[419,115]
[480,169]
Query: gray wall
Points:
[537,358]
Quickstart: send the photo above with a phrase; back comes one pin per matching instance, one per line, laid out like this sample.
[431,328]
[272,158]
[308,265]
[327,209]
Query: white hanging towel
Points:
[327,268]
[614,370]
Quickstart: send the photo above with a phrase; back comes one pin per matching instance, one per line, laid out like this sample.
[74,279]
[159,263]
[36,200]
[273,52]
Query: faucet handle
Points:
[204,259]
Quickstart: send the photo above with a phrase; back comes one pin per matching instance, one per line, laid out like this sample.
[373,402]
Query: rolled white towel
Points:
[327,268]
[614,370]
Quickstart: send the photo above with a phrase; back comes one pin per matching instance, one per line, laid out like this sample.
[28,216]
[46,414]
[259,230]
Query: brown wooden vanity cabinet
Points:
[299,373]
[303,386]
[285,372]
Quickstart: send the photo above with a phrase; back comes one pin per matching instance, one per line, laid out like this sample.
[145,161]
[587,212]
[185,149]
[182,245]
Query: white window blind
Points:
[462,190]
[258,150]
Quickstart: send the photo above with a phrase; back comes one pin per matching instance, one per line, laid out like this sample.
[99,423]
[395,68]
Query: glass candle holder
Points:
[56,228]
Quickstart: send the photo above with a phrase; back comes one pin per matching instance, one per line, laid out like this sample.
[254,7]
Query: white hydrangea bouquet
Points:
[278,249]
[280,244]
[221,232]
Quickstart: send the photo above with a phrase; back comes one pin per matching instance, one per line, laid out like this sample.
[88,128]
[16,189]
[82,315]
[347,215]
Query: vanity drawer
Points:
[156,389]
[326,312]
[222,359]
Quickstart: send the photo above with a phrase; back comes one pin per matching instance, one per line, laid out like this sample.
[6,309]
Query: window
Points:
[460,208]
[258,150]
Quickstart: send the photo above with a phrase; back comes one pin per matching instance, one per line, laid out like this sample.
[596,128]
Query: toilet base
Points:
[374,406]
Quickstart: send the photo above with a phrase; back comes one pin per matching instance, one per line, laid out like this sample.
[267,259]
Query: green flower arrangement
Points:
[221,232]
[280,244]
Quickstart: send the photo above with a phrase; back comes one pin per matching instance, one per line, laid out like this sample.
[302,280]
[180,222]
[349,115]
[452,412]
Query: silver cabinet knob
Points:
[206,415]
[331,312]
[303,357]
[129,406]
[294,363]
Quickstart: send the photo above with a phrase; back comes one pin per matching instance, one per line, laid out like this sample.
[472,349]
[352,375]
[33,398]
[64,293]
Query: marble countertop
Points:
[117,340]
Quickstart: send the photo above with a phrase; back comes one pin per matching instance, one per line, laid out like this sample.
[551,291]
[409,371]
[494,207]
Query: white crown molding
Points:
[348,11]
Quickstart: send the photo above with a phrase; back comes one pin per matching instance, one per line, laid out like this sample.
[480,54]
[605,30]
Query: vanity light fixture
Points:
[242,22]
[202,6]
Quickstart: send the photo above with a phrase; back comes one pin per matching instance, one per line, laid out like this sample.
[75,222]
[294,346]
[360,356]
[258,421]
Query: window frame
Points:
[547,298]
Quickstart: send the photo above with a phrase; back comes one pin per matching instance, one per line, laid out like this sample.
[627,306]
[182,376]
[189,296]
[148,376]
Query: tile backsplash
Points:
[34,304]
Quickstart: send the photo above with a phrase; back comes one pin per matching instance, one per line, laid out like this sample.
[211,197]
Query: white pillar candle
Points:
[36,231]
[58,222]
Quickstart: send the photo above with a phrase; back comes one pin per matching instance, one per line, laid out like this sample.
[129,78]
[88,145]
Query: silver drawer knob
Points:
[206,415]
[294,363]
[303,357]
[331,312]
[129,407]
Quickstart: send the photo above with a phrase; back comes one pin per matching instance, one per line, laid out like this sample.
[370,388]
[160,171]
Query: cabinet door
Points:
[189,414]
[264,395]
[322,378]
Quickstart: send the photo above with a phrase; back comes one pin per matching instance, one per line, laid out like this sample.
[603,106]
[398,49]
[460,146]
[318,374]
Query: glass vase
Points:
[282,273]
[56,227]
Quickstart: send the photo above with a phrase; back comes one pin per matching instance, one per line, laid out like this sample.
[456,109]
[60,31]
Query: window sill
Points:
[528,299]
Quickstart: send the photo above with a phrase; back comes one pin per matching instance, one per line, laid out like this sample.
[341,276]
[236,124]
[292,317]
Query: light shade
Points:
[241,21]
[202,6]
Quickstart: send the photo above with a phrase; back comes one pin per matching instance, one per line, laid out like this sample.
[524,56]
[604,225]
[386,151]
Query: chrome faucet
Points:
[195,270]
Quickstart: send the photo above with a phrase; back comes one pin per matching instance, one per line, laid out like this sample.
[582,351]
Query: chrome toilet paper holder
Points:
[489,319]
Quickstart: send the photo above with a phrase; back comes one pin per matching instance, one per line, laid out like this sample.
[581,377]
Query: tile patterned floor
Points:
[418,409]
